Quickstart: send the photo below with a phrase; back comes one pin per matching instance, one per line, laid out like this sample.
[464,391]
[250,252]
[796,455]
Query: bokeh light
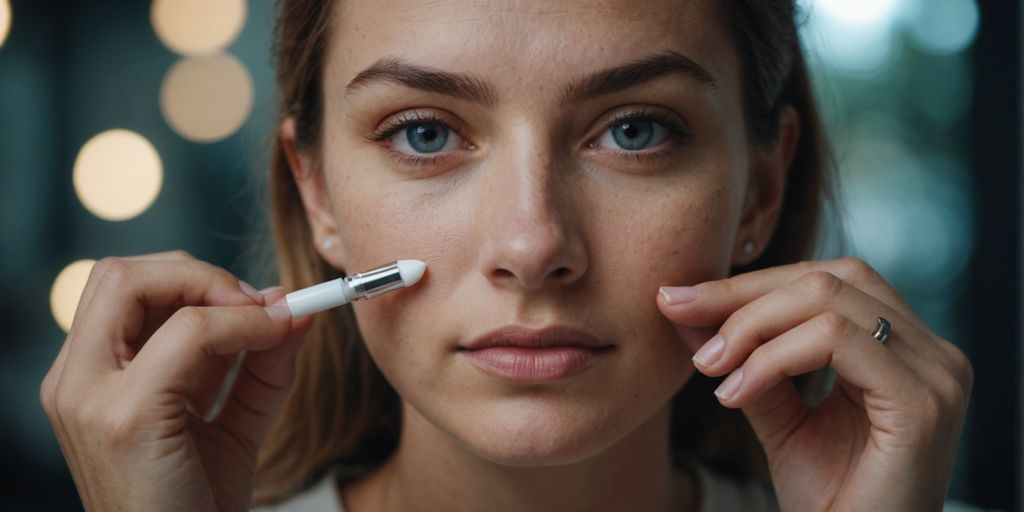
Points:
[67,290]
[945,96]
[855,37]
[859,12]
[197,27]
[206,99]
[5,20]
[943,27]
[117,175]
[909,215]
[861,51]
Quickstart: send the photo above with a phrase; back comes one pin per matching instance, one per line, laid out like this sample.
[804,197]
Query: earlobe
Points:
[764,201]
[315,197]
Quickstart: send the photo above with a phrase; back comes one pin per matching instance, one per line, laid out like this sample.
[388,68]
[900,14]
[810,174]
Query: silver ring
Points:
[883,330]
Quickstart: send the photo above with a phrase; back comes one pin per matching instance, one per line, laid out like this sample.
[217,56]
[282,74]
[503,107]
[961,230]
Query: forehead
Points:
[525,44]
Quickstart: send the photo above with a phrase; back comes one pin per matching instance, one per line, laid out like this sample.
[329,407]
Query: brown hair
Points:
[343,414]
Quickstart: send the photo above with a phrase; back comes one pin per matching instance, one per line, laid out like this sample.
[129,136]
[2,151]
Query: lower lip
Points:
[522,364]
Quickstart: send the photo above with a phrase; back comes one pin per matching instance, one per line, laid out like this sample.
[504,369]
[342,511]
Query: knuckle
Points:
[856,270]
[220,276]
[182,254]
[718,288]
[963,370]
[822,285]
[192,319]
[111,271]
[833,325]
[953,394]
[47,390]
[64,405]
[226,278]
[759,361]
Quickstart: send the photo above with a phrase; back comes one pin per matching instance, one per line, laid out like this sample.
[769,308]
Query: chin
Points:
[528,433]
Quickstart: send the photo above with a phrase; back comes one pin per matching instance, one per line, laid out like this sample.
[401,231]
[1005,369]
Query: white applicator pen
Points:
[341,291]
[327,295]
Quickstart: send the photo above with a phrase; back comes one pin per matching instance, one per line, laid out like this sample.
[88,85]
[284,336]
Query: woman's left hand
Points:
[886,436]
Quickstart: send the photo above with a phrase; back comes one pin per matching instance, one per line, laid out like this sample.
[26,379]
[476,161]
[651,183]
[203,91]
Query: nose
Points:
[530,235]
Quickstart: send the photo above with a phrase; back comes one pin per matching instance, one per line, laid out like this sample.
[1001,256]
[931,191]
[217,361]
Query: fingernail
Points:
[270,289]
[731,385]
[678,294]
[251,291]
[279,312]
[711,352]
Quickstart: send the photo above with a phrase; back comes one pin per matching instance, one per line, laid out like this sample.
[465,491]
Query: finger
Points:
[90,285]
[212,397]
[273,368]
[173,359]
[48,387]
[263,384]
[783,309]
[126,289]
[48,399]
[710,303]
[827,339]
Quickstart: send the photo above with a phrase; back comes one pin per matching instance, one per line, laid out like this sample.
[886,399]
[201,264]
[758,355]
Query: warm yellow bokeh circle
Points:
[117,175]
[5,20]
[206,99]
[67,290]
[197,27]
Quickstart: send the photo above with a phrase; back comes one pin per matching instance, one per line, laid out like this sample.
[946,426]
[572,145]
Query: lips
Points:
[517,354]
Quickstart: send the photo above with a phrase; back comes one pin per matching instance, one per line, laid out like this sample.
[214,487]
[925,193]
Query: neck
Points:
[431,470]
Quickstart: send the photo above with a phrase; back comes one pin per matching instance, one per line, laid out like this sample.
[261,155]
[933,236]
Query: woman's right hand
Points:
[151,342]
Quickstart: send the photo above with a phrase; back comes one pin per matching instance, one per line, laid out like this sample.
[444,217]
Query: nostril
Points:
[561,272]
[504,274]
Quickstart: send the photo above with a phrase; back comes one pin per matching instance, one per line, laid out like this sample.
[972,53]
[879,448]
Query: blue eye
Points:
[634,134]
[427,137]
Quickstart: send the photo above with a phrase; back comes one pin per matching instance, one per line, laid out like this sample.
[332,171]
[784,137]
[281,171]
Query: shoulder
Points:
[321,497]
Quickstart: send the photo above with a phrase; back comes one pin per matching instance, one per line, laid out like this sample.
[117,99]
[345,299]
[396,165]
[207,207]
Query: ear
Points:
[763,202]
[315,197]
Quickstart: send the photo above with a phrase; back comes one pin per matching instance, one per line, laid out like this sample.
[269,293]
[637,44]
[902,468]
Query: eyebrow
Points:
[457,85]
[634,73]
[469,88]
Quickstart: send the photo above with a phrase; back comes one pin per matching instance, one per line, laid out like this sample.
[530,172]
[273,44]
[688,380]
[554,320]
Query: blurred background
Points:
[131,127]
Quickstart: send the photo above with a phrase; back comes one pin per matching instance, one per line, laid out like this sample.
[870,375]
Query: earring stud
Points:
[748,246]
[329,243]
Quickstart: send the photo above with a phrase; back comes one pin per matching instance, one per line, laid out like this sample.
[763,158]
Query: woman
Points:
[564,169]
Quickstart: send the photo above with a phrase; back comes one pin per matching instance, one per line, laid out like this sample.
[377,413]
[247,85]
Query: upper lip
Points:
[554,336]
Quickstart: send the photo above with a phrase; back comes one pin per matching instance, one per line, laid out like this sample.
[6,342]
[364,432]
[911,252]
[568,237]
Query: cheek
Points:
[668,236]
[378,228]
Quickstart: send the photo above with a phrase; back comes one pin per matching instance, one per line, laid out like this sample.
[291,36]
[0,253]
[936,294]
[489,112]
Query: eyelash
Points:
[678,134]
[401,122]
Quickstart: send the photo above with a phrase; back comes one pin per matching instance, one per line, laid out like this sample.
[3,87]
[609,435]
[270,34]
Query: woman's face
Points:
[546,185]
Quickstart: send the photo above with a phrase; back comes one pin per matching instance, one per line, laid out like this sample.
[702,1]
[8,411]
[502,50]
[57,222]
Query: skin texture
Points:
[524,223]
[152,339]
[533,220]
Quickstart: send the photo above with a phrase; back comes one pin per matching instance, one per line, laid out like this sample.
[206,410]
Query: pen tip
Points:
[411,271]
